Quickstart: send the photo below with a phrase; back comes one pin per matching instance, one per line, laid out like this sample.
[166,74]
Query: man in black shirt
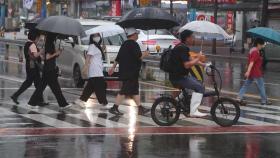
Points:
[129,59]
[179,77]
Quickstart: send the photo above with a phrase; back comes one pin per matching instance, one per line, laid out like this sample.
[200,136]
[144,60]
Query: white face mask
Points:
[96,39]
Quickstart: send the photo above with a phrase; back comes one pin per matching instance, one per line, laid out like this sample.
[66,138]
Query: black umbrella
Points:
[62,25]
[31,25]
[147,19]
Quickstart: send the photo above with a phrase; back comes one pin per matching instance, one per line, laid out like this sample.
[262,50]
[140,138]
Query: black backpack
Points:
[165,60]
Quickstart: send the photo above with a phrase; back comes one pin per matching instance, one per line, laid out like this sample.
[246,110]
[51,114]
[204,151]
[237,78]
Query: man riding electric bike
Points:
[179,76]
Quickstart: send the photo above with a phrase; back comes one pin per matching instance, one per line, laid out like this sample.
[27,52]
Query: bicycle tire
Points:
[157,103]
[222,122]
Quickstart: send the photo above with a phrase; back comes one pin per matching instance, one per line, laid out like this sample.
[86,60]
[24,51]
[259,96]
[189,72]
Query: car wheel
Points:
[77,76]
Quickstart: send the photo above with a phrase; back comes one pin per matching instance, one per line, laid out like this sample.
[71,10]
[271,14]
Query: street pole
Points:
[264,13]
[171,7]
[214,43]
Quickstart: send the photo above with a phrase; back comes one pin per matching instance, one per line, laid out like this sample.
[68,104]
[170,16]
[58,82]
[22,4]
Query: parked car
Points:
[72,59]
[157,40]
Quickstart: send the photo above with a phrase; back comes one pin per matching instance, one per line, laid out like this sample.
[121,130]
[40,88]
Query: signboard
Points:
[192,15]
[144,3]
[230,20]
[116,8]
[39,7]
[28,4]
[219,1]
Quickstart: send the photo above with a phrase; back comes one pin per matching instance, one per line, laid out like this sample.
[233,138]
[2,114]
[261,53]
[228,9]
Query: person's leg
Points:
[261,87]
[30,77]
[35,98]
[244,88]
[119,99]
[88,90]
[100,87]
[193,84]
[37,83]
[52,80]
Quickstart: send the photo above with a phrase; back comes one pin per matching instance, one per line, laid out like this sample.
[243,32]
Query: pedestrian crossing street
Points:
[21,116]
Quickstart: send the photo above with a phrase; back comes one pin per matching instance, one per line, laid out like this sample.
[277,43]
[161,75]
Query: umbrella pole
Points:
[201,45]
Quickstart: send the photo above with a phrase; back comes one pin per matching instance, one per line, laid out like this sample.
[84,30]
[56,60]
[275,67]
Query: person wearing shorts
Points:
[129,59]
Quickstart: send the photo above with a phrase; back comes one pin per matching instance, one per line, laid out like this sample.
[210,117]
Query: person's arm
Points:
[112,70]
[53,55]
[247,74]
[201,63]
[144,54]
[88,61]
[33,49]
[191,63]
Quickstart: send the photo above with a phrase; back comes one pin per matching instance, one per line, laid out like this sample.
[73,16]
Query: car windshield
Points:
[157,32]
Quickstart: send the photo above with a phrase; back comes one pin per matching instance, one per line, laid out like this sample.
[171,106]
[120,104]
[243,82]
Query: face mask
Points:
[96,39]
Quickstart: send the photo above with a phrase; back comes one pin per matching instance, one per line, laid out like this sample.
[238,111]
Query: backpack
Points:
[165,60]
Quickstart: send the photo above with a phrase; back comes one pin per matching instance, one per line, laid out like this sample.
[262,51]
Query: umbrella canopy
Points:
[148,18]
[33,23]
[206,30]
[267,34]
[62,25]
[106,30]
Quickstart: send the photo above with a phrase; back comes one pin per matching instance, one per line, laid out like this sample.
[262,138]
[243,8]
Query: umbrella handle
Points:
[201,45]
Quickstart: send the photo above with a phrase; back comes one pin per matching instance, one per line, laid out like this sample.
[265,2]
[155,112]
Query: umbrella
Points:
[62,25]
[267,34]
[33,23]
[148,18]
[206,30]
[106,30]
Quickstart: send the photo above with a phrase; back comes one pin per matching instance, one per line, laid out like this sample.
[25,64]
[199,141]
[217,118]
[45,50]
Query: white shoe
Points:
[195,103]
[80,103]
[65,107]
[33,107]
[198,114]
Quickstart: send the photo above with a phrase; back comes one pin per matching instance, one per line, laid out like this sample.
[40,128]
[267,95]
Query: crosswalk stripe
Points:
[242,119]
[50,121]
[269,116]
[269,107]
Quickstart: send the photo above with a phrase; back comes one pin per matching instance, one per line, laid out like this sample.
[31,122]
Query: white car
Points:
[157,40]
[72,59]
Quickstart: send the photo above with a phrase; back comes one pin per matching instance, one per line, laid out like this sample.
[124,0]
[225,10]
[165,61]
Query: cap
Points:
[131,31]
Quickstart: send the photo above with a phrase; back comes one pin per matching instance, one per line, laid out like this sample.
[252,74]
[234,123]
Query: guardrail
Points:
[10,42]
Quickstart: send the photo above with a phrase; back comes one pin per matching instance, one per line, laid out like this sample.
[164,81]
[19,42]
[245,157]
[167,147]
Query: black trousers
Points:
[97,85]
[32,76]
[49,78]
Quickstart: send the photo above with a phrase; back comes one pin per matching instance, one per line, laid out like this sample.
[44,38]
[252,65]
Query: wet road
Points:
[93,132]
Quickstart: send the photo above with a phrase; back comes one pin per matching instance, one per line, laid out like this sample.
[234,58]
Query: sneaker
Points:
[142,110]
[65,107]
[267,103]
[80,103]
[44,104]
[33,106]
[114,110]
[14,99]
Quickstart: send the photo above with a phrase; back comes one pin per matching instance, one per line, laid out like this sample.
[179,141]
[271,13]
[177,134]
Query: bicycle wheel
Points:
[225,112]
[165,111]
